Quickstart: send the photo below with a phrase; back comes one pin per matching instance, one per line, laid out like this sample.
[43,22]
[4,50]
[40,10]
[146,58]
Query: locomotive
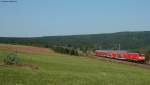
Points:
[120,54]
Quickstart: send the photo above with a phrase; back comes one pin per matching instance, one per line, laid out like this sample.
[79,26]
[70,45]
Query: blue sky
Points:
[28,18]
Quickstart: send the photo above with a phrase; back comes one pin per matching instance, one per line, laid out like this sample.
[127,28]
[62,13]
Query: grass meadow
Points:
[40,69]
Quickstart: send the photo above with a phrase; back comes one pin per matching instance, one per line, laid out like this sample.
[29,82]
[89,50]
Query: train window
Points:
[142,55]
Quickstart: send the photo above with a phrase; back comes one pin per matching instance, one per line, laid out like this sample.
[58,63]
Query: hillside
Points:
[43,69]
[127,41]
[26,49]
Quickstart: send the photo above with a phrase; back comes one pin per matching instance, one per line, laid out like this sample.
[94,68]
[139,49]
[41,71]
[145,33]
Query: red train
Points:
[119,55]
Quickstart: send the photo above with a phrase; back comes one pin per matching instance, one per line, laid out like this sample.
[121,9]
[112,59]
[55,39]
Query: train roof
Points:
[118,51]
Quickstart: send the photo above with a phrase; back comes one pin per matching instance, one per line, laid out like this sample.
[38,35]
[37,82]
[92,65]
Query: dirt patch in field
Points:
[31,66]
[27,49]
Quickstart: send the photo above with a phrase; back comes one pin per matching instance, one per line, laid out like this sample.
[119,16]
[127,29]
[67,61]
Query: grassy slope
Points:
[70,70]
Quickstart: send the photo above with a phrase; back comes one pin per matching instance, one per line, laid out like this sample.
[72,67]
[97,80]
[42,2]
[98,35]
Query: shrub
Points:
[147,57]
[11,59]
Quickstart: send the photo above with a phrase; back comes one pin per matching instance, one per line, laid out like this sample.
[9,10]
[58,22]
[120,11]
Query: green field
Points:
[70,70]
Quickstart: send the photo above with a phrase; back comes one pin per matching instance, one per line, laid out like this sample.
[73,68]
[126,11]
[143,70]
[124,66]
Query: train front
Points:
[136,56]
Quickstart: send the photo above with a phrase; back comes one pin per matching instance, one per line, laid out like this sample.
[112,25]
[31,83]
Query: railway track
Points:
[119,61]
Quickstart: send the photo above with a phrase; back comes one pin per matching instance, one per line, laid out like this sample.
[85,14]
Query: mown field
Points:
[56,69]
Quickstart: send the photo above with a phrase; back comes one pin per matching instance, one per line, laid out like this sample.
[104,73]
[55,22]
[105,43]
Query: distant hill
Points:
[127,41]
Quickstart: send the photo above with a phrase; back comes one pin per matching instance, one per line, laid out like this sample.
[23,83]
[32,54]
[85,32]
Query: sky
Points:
[34,18]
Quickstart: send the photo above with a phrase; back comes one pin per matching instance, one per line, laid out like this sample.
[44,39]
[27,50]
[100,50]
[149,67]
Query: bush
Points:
[147,57]
[11,59]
